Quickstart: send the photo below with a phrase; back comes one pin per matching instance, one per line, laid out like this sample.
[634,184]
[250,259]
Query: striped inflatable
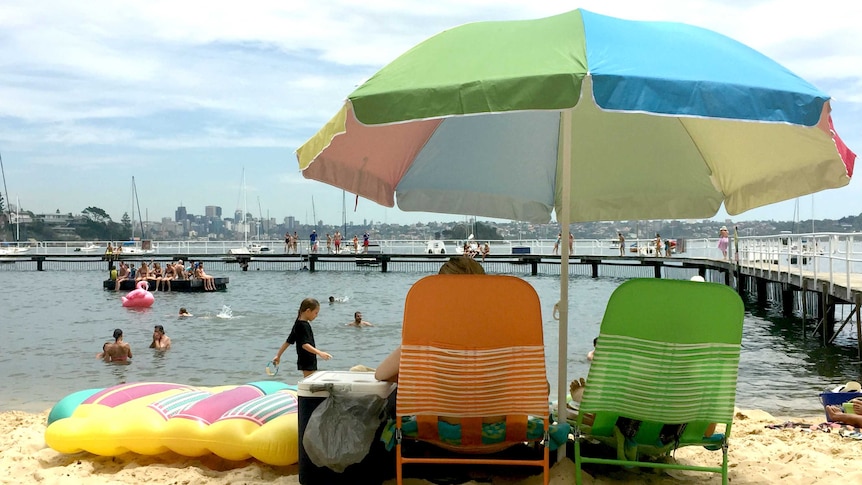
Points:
[256,420]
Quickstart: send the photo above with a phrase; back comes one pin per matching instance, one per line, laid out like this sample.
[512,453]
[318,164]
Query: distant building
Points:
[49,218]
[180,215]
[212,211]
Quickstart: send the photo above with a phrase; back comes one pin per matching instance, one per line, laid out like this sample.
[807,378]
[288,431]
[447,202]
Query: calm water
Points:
[54,323]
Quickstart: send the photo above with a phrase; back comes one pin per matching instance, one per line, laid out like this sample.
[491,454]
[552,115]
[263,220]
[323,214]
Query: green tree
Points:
[126,221]
[96,214]
[96,225]
[481,232]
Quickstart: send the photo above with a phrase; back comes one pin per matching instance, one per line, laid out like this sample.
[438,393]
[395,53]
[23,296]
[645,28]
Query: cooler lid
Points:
[358,383]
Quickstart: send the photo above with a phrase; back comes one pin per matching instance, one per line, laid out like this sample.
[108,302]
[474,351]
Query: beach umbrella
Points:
[584,115]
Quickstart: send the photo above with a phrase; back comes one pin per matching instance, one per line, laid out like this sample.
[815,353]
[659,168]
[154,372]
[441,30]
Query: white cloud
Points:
[197,88]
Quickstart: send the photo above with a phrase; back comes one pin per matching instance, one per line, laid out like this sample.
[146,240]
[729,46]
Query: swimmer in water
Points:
[185,313]
[116,351]
[358,321]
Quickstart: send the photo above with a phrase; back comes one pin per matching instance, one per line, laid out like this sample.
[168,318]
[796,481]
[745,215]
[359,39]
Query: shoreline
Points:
[758,455]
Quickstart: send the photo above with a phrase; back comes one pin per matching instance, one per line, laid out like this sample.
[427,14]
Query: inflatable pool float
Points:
[255,420]
[139,297]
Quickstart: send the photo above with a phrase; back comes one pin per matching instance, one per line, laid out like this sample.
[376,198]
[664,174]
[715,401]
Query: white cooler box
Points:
[378,465]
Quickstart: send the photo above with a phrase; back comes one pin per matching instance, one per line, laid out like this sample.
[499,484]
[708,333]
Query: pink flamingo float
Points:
[140,297]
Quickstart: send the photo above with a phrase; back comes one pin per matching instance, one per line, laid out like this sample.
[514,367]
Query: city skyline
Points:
[94,93]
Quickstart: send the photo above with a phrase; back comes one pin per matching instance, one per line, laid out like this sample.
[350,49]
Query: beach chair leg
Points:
[399,474]
[578,478]
[546,468]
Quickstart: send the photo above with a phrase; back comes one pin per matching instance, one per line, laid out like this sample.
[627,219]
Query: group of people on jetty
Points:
[473,249]
[173,270]
[333,243]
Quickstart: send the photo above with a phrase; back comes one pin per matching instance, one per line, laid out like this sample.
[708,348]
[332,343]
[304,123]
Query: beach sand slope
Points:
[758,455]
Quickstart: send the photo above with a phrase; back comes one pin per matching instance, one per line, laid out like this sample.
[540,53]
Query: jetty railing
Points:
[831,257]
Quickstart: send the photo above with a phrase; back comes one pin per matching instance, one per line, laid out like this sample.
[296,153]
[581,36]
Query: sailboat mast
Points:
[140,218]
[313,213]
[244,208]
[6,194]
[132,202]
[260,214]
[812,214]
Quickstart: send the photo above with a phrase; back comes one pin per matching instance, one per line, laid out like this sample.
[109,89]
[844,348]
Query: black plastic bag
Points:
[341,430]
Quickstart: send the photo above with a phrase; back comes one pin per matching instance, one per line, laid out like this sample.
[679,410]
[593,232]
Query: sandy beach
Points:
[758,455]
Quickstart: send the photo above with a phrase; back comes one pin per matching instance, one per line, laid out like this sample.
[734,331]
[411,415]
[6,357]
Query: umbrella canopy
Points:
[668,121]
[593,117]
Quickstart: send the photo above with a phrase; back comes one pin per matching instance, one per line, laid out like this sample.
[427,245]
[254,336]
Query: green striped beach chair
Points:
[664,370]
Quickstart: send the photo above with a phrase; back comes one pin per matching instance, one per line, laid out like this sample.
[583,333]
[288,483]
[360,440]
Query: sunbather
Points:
[837,414]
[576,391]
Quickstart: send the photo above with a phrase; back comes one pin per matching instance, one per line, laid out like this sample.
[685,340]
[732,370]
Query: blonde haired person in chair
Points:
[388,369]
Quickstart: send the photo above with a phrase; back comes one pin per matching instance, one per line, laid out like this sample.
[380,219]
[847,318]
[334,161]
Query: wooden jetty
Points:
[796,289]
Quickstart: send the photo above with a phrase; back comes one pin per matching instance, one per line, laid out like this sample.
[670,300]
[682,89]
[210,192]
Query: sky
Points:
[186,95]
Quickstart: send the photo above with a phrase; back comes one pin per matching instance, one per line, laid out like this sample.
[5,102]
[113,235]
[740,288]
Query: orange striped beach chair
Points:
[472,354]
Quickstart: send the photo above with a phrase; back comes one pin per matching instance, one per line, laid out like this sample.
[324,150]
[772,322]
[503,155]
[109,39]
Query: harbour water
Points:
[55,322]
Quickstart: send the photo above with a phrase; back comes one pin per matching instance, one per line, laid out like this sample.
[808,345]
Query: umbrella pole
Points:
[565,157]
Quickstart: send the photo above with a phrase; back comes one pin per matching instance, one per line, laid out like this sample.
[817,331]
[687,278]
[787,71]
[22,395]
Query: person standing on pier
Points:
[337,241]
[355,244]
[312,239]
[286,242]
[365,240]
[556,249]
[723,241]
[622,242]
[328,243]
[658,245]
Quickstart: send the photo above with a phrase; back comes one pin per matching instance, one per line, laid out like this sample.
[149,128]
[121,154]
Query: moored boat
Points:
[90,248]
[14,250]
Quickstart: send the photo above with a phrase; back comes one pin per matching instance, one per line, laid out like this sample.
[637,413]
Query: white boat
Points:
[89,248]
[134,247]
[257,248]
[13,250]
[249,249]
